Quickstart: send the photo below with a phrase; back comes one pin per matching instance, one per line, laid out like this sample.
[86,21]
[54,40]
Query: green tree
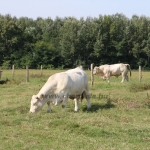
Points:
[69,42]
[44,54]
[10,37]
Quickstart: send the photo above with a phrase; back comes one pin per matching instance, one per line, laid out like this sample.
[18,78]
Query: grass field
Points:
[118,120]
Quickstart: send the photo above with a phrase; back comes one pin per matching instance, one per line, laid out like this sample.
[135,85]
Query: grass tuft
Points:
[11,81]
[139,87]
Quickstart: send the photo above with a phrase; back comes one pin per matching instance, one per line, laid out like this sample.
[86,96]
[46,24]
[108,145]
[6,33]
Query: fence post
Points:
[13,70]
[140,74]
[41,71]
[0,74]
[27,74]
[92,76]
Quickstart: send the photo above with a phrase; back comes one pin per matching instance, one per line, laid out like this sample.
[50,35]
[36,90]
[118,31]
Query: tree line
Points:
[69,42]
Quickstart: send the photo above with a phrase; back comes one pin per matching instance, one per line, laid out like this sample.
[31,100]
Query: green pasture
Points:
[118,120]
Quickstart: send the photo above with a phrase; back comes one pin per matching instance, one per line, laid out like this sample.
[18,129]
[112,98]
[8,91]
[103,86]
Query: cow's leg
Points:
[104,78]
[87,95]
[64,102]
[49,108]
[123,77]
[76,100]
[108,77]
[127,79]
[56,101]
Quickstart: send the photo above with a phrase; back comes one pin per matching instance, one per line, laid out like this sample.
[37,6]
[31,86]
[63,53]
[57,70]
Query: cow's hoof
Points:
[49,111]
[76,110]
[88,108]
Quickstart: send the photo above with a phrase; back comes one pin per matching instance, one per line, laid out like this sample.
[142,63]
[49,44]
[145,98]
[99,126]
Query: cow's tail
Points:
[128,67]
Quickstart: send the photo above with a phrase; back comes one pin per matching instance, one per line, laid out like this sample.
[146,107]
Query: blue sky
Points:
[73,8]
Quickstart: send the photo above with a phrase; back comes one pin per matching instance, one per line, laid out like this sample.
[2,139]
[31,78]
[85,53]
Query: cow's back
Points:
[72,83]
[79,77]
[116,69]
[80,72]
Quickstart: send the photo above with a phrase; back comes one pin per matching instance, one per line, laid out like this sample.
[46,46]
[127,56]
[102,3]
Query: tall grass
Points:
[119,117]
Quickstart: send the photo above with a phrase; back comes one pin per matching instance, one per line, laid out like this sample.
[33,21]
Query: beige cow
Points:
[59,87]
[106,71]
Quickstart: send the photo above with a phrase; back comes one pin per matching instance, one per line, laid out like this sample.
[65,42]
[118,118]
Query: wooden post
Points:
[92,76]
[0,74]
[13,70]
[41,71]
[140,74]
[27,74]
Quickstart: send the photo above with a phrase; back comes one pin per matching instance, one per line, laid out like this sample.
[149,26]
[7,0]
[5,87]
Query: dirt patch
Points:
[133,105]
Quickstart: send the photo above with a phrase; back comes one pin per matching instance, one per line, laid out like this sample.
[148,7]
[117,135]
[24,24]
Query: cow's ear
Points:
[41,96]
[37,98]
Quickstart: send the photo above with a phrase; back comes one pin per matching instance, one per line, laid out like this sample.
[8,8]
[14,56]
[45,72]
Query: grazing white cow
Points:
[59,87]
[106,71]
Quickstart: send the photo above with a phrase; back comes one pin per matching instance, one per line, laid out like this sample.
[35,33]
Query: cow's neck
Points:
[47,89]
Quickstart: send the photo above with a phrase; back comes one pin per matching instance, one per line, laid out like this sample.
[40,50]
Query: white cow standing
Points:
[59,87]
[106,71]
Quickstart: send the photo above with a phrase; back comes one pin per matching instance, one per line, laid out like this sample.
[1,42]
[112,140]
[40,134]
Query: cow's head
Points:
[36,103]
[96,70]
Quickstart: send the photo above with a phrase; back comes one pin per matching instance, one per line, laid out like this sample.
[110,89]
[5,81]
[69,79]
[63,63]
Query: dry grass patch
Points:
[133,105]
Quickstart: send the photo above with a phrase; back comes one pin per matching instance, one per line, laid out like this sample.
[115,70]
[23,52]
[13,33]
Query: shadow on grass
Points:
[23,109]
[15,110]
[95,107]
[4,81]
